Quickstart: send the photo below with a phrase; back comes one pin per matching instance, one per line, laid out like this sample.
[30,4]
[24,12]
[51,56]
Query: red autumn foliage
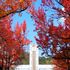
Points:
[12,6]
[24,26]
[51,38]
[11,42]
[66,4]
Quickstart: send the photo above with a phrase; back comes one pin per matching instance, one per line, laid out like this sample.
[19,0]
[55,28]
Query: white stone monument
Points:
[34,61]
[34,57]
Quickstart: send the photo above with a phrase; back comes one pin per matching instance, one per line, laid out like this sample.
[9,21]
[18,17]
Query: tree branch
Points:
[58,2]
[13,12]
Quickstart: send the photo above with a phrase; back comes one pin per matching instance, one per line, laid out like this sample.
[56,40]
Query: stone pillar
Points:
[33,57]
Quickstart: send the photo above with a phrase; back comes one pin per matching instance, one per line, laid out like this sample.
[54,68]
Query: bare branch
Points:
[12,12]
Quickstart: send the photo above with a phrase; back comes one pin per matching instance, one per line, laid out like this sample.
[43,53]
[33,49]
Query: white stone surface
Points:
[34,59]
[22,67]
[40,67]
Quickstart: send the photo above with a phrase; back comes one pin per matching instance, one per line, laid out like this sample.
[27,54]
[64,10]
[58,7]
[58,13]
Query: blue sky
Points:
[30,22]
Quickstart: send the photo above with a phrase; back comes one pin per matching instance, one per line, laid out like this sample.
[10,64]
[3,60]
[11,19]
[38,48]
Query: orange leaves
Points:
[21,0]
[44,2]
[66,4]
[24,26]
[52,37]
[60,60]
[26,41]
[12,6]
[64,34]
[13,51]
[8,2]
[67,22]
[20,29]
[32,10]
[12,41]
[20,32]
[47,2]
[58,64]
[41,14]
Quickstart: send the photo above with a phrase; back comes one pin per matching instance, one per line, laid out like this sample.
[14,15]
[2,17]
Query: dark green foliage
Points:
[25,58]
[43,60]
